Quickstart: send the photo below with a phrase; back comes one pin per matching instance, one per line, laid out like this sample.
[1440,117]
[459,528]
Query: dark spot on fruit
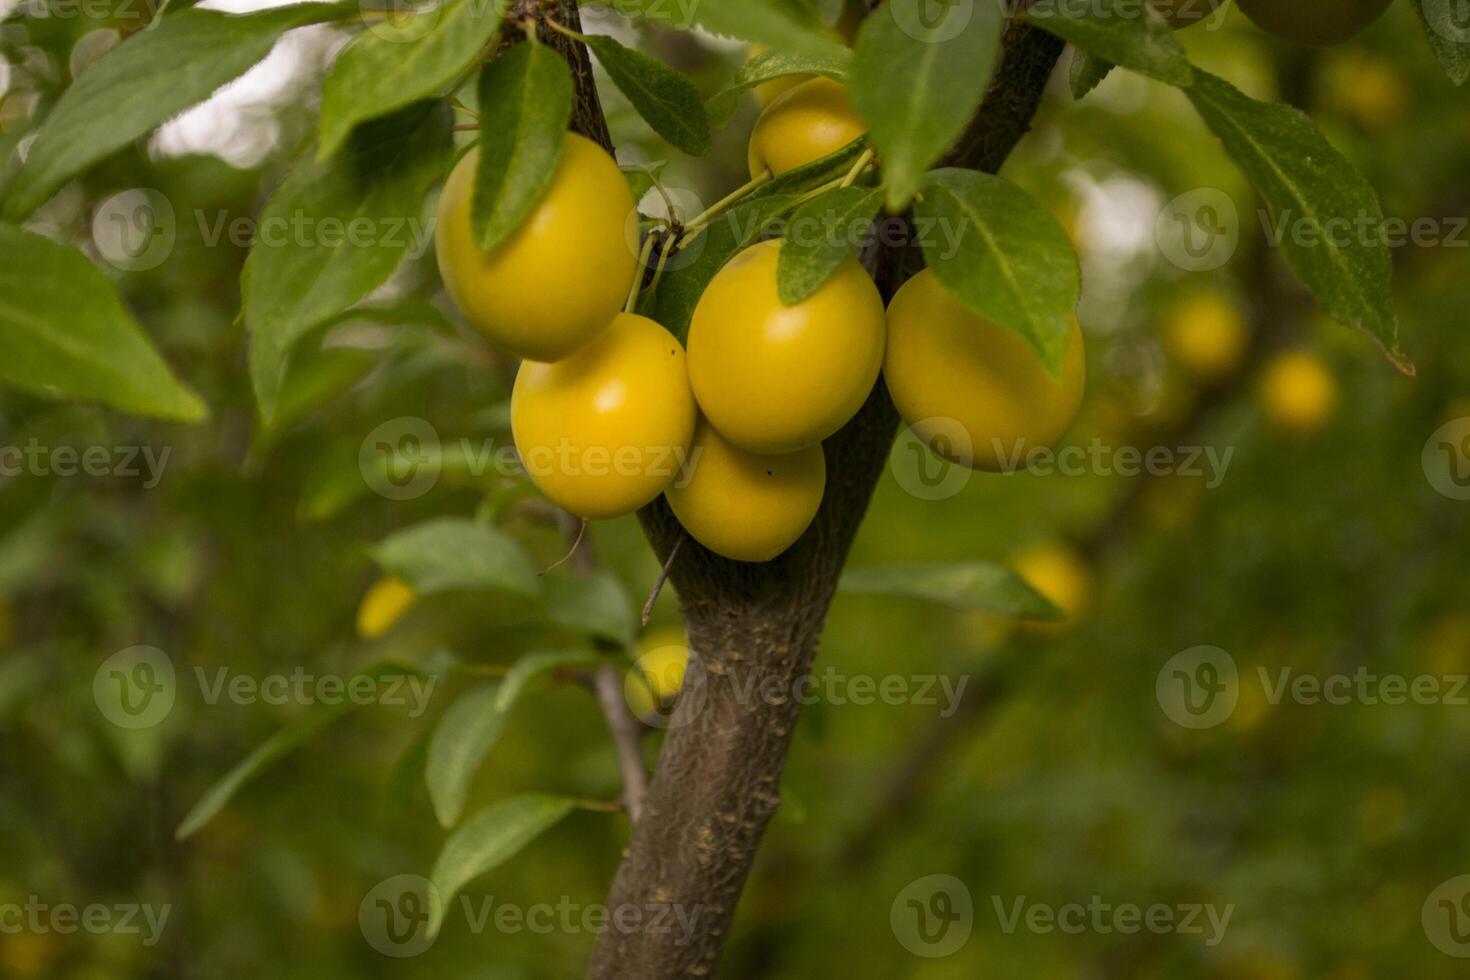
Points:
[769,473]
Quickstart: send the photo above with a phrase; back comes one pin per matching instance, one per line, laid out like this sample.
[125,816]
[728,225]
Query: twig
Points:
[576,543]
[663,576]
[627,736]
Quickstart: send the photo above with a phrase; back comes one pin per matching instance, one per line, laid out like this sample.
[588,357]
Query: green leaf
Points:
[918,82]
[1002,255]
[1312,192]
[464,736]
[665,99]
[315,378]
[534,665]
[787,25]
[288,739]
[382,71]
[1449,40]
[773,64]
[149,78]
[470,728]
[336,230]
[672,304]
[1087,73]
[1121,31]
[820,235]
[595,604]
[489,839]
[65,334]
[525,105]
[451,553]
[980,585]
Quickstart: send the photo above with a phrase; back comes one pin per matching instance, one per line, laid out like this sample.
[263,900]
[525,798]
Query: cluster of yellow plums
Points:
[608,409]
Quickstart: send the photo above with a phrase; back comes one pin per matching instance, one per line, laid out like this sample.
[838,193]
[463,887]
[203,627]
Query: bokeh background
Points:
[1325,547]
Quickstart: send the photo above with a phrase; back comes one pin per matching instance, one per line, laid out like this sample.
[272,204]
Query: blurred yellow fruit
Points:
[1449,644]
[1368,88]
[1060,575]
[1251,707]
[384,604]
[1206,334]
[803,124]
[1298,393]
[26,954]
[1381,815]
[658,673]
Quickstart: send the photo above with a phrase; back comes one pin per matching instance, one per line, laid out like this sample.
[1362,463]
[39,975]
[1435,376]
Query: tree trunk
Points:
[753,629]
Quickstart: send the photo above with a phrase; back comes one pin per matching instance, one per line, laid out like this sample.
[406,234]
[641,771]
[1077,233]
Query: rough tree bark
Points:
[754,628]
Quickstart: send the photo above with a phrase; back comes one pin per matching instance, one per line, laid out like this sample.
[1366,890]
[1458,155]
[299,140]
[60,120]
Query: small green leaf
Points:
[1448,36]
[534,665]
[820,235]
[788,25]
[1088,71]
[464,736]
[450,553]
[381,71]
[672,304]
[64,333]
[334,231]
[1121,31]
[1002,255]
[152,76]
[315,378]
[769,65]
[1312,194]
[288,739]
[525,105]
[489,839]
[595,604]
[665,99]
[979,585]
[917,83]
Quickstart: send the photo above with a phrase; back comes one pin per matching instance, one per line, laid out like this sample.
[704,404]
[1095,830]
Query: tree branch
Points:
[754,629]
[627,736]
